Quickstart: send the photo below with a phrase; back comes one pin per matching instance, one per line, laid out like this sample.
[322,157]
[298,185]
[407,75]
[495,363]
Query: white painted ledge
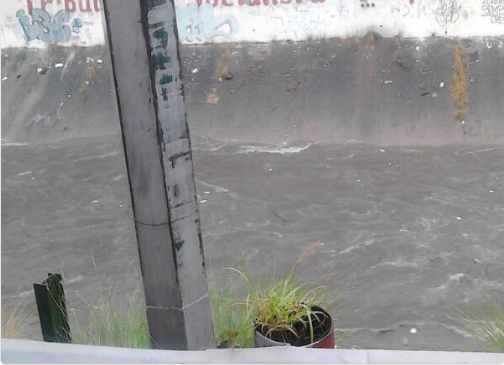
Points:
[30,352]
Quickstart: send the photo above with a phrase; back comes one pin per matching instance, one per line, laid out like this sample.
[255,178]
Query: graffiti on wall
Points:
[70,6]
[446,12]
[37,22]
[300,19]
[199,24]
[493,9]
[400,7]
[48,29]
[34,23]
[215,3]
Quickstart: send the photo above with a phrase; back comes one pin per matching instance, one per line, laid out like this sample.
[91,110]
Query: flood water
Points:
[410,232]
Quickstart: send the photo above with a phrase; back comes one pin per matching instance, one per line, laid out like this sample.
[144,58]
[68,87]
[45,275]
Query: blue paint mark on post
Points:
[166,79]
[162,37]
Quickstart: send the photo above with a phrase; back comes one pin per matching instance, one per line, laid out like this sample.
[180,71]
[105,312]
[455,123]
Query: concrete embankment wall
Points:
[276,71]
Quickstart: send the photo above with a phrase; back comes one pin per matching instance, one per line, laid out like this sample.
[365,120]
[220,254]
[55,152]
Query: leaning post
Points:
[143,42]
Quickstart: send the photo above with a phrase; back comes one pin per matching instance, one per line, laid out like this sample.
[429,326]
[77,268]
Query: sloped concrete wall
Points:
[372,71]
[382,91]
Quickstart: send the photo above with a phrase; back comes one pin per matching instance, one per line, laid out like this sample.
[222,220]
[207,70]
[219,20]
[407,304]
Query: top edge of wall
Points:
[78,23]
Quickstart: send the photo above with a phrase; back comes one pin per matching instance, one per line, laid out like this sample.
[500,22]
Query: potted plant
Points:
[285,313]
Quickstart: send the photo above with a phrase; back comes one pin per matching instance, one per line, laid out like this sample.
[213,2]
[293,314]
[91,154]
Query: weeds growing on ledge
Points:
[115,326]
[485,324]
[459,84]
[15,321]
[232,325]
[235,309]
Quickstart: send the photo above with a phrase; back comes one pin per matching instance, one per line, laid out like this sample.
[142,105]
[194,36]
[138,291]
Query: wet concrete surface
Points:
[411,232]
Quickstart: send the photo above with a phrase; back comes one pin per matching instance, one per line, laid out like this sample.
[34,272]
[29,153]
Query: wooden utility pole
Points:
[144,48]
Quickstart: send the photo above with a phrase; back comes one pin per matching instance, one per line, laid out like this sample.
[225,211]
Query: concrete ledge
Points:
[30,352]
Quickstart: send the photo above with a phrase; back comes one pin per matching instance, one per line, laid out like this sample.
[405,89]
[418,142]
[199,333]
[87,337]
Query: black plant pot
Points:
[323,335]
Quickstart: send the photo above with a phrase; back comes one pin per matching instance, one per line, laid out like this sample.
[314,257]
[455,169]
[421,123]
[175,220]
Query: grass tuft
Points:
[485,324]
[15,321]
[233,327]
[115,326]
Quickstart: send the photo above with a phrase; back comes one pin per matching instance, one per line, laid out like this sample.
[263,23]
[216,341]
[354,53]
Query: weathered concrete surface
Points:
[57,95]
[29,352]
[382,91]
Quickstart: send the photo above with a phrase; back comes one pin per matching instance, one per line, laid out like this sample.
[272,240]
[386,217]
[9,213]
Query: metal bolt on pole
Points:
[144,48]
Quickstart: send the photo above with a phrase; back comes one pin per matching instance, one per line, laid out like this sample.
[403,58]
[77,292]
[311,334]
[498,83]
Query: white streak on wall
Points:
[268,20]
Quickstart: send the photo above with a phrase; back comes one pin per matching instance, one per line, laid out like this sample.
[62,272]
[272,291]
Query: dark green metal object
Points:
[51,305]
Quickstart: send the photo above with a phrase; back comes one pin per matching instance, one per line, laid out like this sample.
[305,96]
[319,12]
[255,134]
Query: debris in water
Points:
[5,78]
[195,70]
[413,330]
[380,81]
[213,98]
[491,191]
[99,61]
[206,192]
[203,201]
[270,169]
[441,85]
[95,201]
[459,218]
[308,251]
[477,260]
[382,150]
[58,65]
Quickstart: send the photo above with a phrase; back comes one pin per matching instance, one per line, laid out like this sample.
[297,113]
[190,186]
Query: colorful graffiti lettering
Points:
[215,3]
[76,25]
[494,9]
[45,28]
[70,6]
[199,24]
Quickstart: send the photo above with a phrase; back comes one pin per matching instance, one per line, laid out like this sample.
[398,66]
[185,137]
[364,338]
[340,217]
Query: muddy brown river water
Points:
[411,232]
